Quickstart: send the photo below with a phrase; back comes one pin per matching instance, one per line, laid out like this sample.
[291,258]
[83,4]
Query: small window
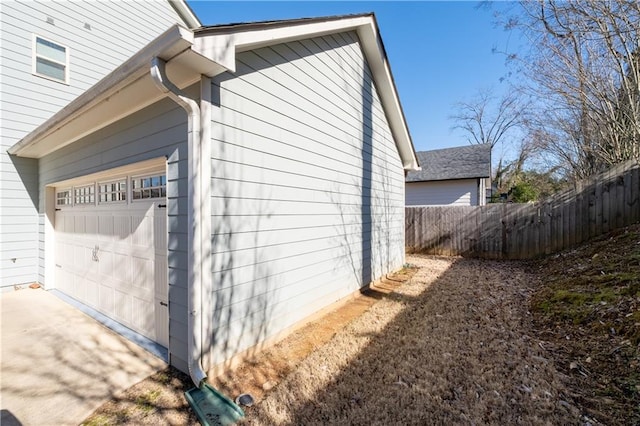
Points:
[63,197]
[84,195]
[112,192]
[50,60]
[149,187]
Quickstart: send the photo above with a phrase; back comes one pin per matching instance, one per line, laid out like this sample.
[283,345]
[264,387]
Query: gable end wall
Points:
[307,189]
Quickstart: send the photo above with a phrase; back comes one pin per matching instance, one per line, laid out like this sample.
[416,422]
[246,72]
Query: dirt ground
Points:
[587,314]
[159,398]
[454,341]
[448,347]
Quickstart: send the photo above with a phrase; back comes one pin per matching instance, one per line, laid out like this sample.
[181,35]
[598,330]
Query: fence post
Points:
[634,202]
[620,204]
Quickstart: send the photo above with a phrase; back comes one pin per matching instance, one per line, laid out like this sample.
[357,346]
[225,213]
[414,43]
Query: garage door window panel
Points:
[112,192]
[84,195]
[149,187]
[63,197]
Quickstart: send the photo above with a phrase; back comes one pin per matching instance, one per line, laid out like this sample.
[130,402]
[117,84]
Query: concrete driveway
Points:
[57,364]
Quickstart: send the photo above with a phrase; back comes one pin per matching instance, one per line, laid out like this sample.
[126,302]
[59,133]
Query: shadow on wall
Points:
[361,229]
[242,280]
[27,169]
[247,271]
[248,303]
[366,184]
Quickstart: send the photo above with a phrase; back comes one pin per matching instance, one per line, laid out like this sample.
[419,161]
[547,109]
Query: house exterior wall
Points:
[117,30]
[307,189]
[462,192]
[159,130]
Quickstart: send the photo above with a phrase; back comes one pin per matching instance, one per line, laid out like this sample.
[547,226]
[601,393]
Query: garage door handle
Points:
[162,206]
[164,303]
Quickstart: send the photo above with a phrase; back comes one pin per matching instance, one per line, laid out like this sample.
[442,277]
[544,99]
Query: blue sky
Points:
[440,52]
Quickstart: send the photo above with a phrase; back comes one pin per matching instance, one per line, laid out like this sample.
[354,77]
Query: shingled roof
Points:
[463,162]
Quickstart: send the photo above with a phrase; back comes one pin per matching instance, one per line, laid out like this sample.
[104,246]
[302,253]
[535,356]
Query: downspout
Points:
[194,285]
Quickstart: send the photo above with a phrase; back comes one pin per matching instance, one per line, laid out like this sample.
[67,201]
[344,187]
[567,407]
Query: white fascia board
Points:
[223,47]
[110,99]
[382,76]
[255,39]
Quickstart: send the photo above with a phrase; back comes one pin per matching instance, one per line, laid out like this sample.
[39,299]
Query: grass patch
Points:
[113,418]
[100,420]
[574,304]
[146,401]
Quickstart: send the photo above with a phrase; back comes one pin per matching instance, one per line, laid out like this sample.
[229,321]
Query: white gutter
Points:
[194,217]
[185,12]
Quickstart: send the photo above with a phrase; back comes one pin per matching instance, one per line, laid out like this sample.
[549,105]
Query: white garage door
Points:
[111,250]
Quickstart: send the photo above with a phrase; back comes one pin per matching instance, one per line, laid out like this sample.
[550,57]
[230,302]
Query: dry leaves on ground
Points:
[456,344]
[448,347]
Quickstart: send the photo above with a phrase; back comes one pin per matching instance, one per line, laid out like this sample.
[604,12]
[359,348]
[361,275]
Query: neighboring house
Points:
[452,176]
[225,183]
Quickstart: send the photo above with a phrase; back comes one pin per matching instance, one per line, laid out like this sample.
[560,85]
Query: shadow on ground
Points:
[451,346]
[58,365]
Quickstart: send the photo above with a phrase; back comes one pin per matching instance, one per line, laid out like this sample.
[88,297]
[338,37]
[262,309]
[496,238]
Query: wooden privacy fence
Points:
[595,206]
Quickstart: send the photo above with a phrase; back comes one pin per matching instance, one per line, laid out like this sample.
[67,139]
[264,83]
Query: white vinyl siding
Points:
[462,192]
[118,29]
[307,188]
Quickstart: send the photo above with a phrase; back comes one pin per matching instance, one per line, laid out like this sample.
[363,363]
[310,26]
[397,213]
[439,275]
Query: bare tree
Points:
[485,119]
[584,66]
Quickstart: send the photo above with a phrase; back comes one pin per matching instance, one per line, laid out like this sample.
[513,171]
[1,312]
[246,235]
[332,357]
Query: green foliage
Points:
[528,186]
[524,192]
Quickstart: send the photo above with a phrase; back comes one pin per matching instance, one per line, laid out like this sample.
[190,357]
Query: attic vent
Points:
[50,20]
[87,26]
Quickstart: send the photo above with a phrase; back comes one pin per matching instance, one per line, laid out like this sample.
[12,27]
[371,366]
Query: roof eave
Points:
[216,41]
[122,92]
[210,52]
[442,179]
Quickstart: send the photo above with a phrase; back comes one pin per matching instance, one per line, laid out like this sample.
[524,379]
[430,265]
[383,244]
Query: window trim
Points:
[96,180]
[35,56]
